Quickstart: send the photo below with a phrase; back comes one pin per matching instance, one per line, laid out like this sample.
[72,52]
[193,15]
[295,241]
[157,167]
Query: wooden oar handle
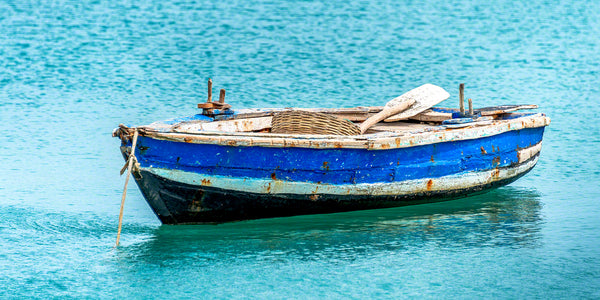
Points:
[385,113]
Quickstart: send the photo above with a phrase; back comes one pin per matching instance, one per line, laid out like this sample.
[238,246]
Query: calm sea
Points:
[71,71]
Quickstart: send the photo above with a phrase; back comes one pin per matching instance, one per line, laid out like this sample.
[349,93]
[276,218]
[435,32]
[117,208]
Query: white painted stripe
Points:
[267,186]
[527,153]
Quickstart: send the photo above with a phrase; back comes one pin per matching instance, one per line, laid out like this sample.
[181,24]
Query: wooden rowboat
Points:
[224,166]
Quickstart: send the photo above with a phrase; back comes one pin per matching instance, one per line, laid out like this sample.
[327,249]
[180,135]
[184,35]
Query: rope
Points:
[130,165]
[135,166]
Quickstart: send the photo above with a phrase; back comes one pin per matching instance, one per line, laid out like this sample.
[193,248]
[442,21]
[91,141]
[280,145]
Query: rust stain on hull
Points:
[496,173]
[496,161]
[429,184]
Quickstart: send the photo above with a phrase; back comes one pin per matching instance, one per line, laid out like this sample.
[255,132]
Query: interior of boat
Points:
[261,120]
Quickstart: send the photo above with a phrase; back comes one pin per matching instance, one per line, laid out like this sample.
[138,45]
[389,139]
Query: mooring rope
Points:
[131,164]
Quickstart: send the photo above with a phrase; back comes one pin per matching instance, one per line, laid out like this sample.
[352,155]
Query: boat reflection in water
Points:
[505,217]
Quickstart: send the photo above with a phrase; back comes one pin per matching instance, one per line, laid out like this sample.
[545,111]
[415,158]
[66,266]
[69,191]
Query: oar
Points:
[129,167]
[409,104]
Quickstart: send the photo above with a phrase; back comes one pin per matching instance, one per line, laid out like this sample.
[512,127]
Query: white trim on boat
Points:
[408,187]
[376,141]
[527,153]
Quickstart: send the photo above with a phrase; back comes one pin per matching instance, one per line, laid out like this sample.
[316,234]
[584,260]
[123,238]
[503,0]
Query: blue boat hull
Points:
[205,183]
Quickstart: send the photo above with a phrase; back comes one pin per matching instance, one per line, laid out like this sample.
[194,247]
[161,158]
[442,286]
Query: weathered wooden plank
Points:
[502,109]
[264,112]
[239,125]
[361,113]
[358,114]
[399,127]
[426,116]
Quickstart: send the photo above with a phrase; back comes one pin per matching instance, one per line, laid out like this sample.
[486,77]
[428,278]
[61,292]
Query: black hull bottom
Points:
[180,203]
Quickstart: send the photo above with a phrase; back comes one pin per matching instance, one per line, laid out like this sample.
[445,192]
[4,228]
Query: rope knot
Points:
[135,167]
[132,161]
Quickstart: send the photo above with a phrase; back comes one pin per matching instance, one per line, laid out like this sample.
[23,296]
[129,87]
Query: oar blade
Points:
[408,104]
[425,97]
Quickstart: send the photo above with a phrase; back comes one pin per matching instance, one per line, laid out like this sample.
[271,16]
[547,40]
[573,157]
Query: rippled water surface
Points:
[71,71]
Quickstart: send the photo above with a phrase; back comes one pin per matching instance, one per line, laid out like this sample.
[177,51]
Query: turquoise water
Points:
[70,72]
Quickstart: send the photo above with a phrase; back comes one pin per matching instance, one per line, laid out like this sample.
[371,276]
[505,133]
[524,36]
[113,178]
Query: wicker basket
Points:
[305,122]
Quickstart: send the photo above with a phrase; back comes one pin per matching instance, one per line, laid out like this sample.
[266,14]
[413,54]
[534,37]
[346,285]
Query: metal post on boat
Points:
[208,108]
[222,96]
[461,98]
[209,90]
[470,107]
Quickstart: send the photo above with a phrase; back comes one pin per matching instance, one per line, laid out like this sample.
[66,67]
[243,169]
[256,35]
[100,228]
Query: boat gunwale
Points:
[373,141]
